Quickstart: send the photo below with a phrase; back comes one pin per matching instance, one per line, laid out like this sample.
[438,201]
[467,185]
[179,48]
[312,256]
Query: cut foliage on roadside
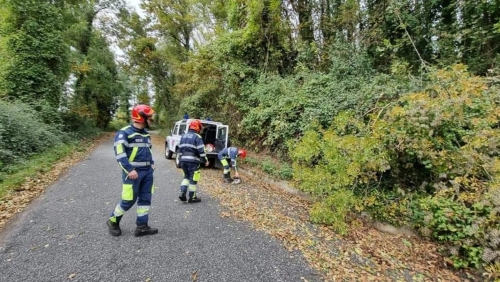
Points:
[362,252]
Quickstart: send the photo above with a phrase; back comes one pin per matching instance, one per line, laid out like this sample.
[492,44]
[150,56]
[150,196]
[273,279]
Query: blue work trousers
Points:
[191,176]
[138,190]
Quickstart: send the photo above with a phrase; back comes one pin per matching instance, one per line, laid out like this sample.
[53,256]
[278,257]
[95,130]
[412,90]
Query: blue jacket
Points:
[192,148]
[133,148]
[229,153]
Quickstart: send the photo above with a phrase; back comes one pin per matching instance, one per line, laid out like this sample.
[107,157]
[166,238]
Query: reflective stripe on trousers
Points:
[139,190]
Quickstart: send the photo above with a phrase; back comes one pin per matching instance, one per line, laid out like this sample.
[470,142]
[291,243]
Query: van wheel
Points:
[177,159]
[168,153]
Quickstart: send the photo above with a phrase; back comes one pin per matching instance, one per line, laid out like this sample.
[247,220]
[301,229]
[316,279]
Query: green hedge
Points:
[26,130]
[429,159]
[23,133]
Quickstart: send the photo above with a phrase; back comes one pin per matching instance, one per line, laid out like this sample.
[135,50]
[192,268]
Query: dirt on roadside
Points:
[17,200]
[364,254]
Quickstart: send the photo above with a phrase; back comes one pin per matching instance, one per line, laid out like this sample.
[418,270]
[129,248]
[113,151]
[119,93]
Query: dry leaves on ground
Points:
[365,254]
[18,199]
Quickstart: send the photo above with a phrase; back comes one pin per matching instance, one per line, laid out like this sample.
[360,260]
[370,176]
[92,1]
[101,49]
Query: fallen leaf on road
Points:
[20,197]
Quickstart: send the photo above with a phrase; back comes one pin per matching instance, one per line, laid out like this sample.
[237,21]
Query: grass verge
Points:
[40,163]
[30,179]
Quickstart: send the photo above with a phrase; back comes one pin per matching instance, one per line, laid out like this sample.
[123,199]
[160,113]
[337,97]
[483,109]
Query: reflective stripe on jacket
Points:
[192,148]
[229,153]
[133,148]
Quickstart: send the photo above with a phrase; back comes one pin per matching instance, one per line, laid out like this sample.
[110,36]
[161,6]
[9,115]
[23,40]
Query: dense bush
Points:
[470,233]
[23,133]
[280,109]
[334,210]
[79,126]
[117,124]
[429,158]
[26,130]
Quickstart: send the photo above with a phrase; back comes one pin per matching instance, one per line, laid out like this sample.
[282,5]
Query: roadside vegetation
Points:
[385,107]
[428,160]
[29,145]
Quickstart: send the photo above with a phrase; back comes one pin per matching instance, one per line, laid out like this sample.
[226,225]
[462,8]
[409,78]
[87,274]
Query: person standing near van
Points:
[133,152]
[192,150]
[227,158]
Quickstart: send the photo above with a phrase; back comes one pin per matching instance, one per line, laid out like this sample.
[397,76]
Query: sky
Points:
[135,4]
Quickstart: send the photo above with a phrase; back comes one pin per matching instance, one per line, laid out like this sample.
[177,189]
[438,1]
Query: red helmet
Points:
[242,153]
[140,113]
[196,125]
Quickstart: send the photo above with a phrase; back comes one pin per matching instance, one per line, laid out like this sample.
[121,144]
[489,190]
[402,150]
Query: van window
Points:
[176,128]
[182,129]
[222,133]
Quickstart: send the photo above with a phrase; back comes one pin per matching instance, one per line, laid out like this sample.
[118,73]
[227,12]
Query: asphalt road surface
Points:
[62,235]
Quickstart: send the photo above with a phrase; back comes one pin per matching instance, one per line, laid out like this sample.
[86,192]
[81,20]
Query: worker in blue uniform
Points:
[227,158]
[192,150]
[133,152]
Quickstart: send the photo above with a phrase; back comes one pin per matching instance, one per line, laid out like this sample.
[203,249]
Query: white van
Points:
[215,136]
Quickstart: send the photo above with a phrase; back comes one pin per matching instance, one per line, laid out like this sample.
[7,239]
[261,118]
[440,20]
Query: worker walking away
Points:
[133,152]
[192,150]
[227,158]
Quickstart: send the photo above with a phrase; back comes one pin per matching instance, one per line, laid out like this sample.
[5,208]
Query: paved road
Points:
[62,236]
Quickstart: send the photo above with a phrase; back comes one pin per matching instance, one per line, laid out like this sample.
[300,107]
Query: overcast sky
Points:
[134,3]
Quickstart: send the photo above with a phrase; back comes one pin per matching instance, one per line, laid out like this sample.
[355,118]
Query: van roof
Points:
[202,121]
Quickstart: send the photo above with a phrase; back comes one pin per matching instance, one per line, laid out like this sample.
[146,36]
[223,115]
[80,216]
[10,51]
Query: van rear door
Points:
[221,137]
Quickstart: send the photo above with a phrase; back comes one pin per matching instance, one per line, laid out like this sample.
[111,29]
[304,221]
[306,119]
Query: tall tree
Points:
[94,66]
[100,90]
[479,39]
[146,62]
[40,56]
[175,21]
[260,35]
[4,51]
[303,9]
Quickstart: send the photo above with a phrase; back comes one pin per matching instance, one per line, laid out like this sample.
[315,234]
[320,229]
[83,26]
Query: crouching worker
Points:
[133,153]
[192,150]
[227,158]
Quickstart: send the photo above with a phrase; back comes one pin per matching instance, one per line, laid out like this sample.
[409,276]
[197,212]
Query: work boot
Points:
[182,196]
[227,177]
[193,198]
[114,228]
[142,230]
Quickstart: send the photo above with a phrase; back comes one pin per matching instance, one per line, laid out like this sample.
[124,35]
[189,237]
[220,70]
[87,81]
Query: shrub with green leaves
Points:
[285,171]
[79,126]
[334,209]
[435,151]
[23,133]
[463,229]
[117,124]
[282,108]
[340,158]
